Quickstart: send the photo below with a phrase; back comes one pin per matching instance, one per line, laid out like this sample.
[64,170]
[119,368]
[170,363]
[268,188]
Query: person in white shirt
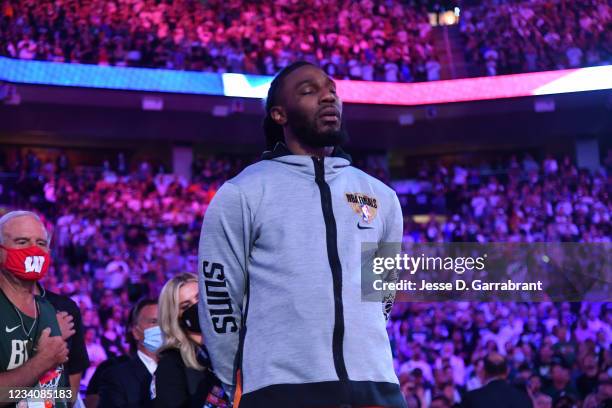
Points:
[95,351]
[26,48]
[456,363]
[367,70]
[391,70]
[355,72]
[574,56]
[418,361]
[433,69]
[491,57]
[116,273]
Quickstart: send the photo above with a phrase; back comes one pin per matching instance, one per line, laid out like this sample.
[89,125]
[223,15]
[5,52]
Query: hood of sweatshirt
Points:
[333,164]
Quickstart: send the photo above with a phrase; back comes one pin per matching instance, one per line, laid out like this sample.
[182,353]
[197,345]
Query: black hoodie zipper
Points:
[331,235]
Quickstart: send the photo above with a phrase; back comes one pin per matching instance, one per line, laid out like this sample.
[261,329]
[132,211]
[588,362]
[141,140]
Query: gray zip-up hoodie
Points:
[280,284]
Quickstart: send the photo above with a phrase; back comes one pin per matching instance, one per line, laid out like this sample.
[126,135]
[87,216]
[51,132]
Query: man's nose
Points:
[328,96]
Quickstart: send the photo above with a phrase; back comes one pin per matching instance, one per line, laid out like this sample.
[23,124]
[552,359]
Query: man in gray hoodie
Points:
[280,263]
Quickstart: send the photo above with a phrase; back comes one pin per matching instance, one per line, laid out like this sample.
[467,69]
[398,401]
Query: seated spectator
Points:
[542,401]
[601,397]
[440,402]
[448,358]
[183,377]
[561,383]
[443,386]
[565,402]
[111,340]
[587,381]
[412,390]
[130,384]
[95,351]
[497,391]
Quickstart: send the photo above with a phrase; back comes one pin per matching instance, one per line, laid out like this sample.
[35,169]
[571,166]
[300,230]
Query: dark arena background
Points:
[491,120]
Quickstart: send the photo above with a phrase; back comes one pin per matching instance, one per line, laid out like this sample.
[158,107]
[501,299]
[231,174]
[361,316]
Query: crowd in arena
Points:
[537,35]
[558,353]
[119,235]
[366,40]
[548,201]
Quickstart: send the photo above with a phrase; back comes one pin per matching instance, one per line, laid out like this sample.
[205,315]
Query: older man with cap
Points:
[32,351]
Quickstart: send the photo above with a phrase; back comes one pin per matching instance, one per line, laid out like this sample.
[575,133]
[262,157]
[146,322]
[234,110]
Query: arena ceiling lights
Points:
[256,86]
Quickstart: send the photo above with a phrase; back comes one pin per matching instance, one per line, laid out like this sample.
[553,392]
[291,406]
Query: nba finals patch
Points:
[365,206]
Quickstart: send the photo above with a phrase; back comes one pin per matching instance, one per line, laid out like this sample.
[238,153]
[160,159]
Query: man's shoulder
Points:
[103,372]
[251,178]
[113,362]
[255,169]
[485,389]
[498,388]
[126,367]
[5,303]
[252,172]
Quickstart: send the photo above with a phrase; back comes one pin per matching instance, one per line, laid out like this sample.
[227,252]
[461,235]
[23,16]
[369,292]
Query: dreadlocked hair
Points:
[272,130]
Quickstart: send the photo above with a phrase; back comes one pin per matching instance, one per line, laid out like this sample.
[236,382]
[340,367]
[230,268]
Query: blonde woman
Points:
[183,377]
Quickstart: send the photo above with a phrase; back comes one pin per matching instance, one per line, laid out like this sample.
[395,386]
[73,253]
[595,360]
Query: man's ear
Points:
[137,333]
[278,115]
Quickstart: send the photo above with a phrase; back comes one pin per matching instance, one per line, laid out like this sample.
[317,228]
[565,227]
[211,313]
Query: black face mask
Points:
[190,320]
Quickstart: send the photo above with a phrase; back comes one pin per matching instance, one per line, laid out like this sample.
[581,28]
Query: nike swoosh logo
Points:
[11,330]
[362,227]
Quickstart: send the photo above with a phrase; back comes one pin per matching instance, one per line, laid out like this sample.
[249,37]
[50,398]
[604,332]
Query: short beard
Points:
[306,133]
